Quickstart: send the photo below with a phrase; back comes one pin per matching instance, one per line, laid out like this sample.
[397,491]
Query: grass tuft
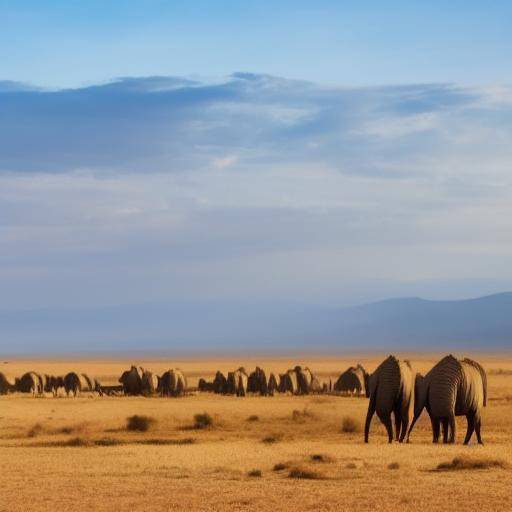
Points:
[35,430]
[139,423]
[255,473]
[466,463]
[202,421]
[350,425]
[300,416]
[108,441]
[394,465]
[77,442]
[280,466]
[305,474]
[272,439]
[320,457]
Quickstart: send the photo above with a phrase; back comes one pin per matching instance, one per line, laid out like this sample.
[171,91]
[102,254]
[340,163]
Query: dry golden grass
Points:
[76,454]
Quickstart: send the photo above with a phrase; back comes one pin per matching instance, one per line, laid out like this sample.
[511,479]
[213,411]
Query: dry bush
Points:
[394,465]
[77,441]
[108,441]
[35,430]
[255,473]
[272,439]
[464,463]
[139,423]
[253,417]
[300,416]
[70,429]
[305,474]
[166,442]
[280,466]
[350,425]
[320,457]
[203,420]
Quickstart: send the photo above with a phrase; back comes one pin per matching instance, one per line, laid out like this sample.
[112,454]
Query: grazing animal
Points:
[7,384]
[352,381]
[452,388]
[391,391]
[204,385]
[220,383]
[73,384]
[304,378]
[132,381]
[289,383]
[273,384]
[54,384]
[237,382]
[257,382]
[149,383]
[172,383]
[30,382]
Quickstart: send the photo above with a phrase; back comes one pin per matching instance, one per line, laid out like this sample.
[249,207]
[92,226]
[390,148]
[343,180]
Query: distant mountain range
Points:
[262,327]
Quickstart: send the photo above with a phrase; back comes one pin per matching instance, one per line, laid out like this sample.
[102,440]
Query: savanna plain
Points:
[258,453]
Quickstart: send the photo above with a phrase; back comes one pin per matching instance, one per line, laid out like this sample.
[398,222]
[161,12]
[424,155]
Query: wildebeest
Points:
[237,382]
[149,382]
[132,381]
[352,381]
[172,383]
[273,384]
[75,383]
[29,382]
[257,382]
[7,384]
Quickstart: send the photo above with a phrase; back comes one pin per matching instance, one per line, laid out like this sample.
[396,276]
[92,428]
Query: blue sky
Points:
[328,153]
[72,43]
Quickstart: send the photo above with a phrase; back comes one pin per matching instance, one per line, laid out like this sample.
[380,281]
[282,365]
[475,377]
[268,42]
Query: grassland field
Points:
[261,453]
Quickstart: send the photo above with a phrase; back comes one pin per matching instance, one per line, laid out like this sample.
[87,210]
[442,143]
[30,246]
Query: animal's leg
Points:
[389,426]
[445,427]
[405,425]
[478,424]
[453,428]
[369,416]
[471,427]
[415,419]
[398,423]
[436,429]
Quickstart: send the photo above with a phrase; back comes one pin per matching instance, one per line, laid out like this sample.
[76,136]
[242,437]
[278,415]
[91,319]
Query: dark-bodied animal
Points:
[149,383]
[391,391]
[237,382]
[220,383]
[273,384]
[352,381]
[452,388]
[29,382]
[7,384]
[172,383]
[304,378]
[54,384]
[289,383]
[204,385]
[257,382]
[132,381]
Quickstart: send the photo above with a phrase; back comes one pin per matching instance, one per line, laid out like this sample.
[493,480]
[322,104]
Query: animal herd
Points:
[453,387]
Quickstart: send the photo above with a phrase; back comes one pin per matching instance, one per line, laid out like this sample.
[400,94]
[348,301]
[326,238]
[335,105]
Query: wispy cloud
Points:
[254,186]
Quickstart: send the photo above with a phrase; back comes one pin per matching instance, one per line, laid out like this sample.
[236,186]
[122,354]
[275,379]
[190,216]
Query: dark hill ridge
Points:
[187,326]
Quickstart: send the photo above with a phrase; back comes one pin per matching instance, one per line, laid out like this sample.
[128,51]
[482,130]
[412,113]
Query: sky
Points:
[329,153]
